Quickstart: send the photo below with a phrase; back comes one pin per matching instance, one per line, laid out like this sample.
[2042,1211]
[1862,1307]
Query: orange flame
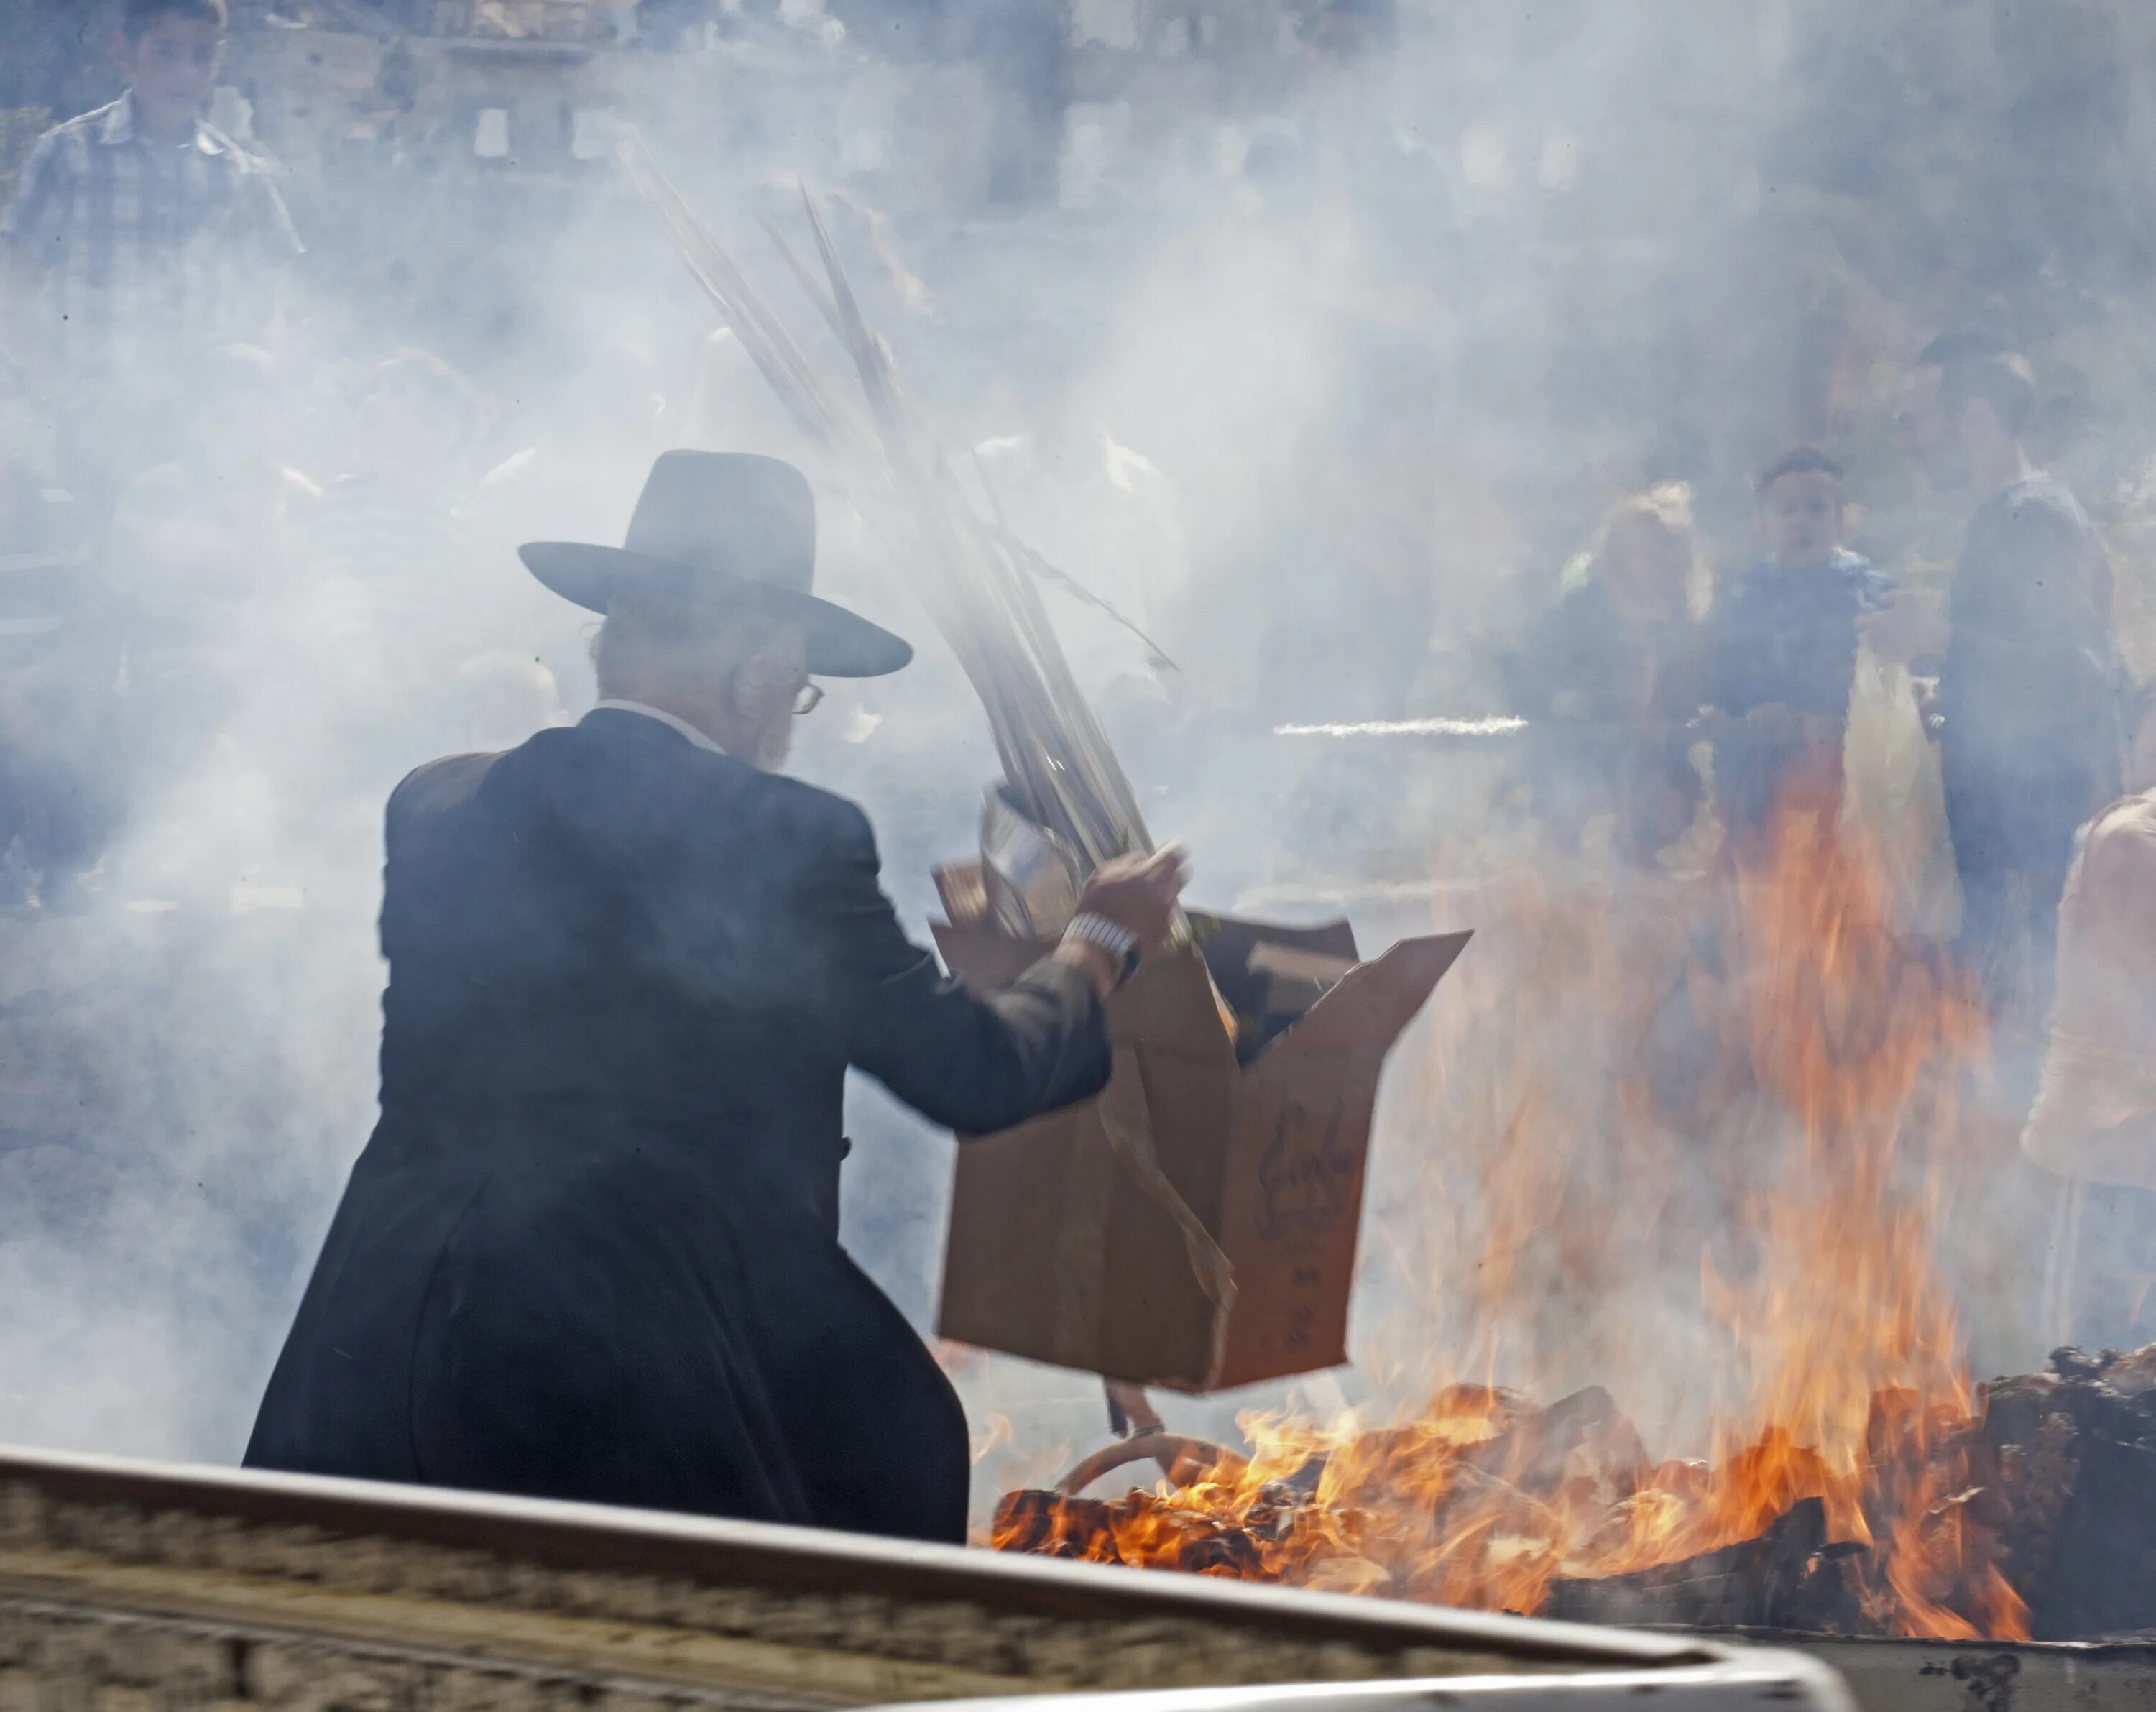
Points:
[993,1437]
[1841,1374]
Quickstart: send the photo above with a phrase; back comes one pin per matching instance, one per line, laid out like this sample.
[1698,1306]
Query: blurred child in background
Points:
[1782,649]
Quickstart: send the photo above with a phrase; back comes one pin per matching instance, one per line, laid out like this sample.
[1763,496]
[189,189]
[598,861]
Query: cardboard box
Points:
[1100,1238]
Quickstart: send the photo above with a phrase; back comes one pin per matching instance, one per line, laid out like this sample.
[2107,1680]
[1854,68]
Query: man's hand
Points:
[1926,691]
[1139,894]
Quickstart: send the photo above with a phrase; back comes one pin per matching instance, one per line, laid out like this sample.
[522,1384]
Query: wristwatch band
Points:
[1119,942]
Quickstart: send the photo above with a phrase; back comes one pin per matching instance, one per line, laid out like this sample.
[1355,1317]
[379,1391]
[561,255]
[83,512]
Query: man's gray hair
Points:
[656,636]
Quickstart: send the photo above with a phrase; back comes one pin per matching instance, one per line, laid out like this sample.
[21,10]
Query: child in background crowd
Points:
[1782,646]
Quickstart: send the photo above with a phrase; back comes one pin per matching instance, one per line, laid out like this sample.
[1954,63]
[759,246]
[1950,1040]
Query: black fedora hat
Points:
[724,529]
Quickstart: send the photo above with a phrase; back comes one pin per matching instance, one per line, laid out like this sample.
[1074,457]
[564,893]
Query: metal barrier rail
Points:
[1745,1682]
[132,1586]
[1978,1676]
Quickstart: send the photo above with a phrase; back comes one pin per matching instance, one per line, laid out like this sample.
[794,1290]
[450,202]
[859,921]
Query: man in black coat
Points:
[591,1251]
[2032,687]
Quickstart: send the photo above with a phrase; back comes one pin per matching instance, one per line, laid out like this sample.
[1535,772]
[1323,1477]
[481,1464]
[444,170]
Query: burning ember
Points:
[1854,1482]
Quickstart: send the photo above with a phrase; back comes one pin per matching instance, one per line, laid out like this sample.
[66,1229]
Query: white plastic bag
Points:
[1893,803]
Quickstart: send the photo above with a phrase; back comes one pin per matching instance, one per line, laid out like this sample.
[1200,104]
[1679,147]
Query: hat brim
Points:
[840,643]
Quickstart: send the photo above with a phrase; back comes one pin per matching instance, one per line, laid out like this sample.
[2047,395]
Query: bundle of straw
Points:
[975,579]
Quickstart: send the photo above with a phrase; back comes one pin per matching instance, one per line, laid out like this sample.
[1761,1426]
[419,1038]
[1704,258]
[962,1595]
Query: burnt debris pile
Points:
[2031,1514]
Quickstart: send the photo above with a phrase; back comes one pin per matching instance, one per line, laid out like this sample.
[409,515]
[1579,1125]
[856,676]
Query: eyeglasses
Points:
[808,698]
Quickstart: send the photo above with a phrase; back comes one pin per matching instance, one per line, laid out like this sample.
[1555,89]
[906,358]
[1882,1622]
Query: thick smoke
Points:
[1319,338]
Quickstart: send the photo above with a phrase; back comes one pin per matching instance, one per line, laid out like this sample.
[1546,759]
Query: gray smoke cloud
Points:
[1317,338]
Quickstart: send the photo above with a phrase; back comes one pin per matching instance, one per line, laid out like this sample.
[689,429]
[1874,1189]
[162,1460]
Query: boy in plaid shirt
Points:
[138,235]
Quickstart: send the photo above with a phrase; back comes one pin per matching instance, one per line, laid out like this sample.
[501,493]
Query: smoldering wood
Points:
[1789,1577]
[2075,1450]
[2059,1468]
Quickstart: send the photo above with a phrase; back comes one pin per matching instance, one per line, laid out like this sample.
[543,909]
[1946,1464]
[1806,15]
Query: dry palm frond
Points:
[977,581]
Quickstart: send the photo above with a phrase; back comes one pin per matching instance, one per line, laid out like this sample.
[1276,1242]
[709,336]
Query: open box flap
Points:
[1365,1013]
[1229,939]
[1294,1195]
[1074,1246]
[1270,976]
[1061,1250]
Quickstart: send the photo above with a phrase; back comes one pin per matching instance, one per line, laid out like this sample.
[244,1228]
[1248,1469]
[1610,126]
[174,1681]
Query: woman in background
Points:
[1613,675]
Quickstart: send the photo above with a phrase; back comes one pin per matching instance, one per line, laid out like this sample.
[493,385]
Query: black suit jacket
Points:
[590,1249]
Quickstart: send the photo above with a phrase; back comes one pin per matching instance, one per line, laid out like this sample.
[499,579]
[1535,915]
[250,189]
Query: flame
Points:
[994,1437]
[1839,1375]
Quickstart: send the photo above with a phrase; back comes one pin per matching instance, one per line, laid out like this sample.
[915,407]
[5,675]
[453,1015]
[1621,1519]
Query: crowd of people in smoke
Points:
[178,481]
[2024,691]
[1675,690]
[168,482]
